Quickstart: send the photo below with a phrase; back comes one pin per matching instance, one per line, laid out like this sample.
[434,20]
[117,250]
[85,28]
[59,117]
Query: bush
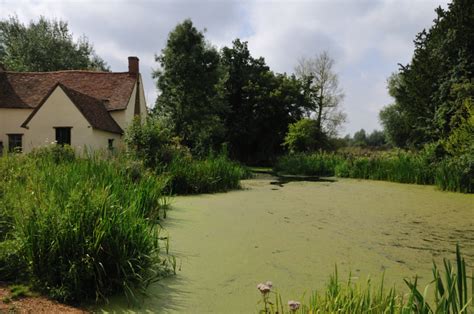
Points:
[305,136]
[153,143]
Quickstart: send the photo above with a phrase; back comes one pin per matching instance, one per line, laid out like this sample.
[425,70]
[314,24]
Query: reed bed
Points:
[450,173]
[80,229]
[213,174]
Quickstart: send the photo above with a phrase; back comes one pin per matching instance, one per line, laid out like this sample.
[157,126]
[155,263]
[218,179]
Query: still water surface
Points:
[294,233]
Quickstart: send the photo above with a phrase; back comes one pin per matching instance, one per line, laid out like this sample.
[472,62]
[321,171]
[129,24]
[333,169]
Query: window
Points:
[63,136]
[111,144]
[14,142]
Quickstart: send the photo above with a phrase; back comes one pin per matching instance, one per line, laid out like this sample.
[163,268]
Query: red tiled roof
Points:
[91,108]
[27,89]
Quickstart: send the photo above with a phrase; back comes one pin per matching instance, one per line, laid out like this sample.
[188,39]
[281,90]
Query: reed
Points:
[84,226]
[423,167]
[453,293]
[213,174]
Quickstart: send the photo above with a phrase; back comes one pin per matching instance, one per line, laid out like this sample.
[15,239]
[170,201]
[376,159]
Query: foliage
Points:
[260,105]
[213,174]
[45,45]
[427,166]
[456,173]
[317,164]
[322,91]
[187,79]
[83,226]
[304,136]
[432,90]
[404,167]
[13,265]
[153,142]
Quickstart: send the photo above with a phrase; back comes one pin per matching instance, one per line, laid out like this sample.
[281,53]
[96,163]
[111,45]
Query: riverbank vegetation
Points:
[451,287]
[94,217]
[422,167]
[80,228]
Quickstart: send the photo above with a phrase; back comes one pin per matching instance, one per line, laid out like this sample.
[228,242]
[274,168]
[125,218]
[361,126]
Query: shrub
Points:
[153,142]
[304,136]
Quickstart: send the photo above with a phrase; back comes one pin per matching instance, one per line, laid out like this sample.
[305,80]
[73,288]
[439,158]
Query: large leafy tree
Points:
[187,79]
[261,104]
[44,45]
[432,90]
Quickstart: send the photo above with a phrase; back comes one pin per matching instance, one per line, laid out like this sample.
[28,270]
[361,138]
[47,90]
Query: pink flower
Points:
[294,305]
[263,288]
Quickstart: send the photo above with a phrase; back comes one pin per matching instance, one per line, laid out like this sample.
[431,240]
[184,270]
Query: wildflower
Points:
[269,284]
[294,305]
[263,288]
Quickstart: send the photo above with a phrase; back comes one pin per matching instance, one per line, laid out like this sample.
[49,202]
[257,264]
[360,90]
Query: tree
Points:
[321,88]
[186,80]
[360,138]
[376,139]
[304,136]
[426,91]
[45,45]
[261,104]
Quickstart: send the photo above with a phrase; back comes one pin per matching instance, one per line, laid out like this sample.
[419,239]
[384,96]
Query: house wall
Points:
[10,122]
[59,111]
[125,117]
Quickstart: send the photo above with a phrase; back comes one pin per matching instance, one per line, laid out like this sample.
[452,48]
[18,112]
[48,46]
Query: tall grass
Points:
[83,227]
[318,164]
[450,173]
[213,174]
[403,167]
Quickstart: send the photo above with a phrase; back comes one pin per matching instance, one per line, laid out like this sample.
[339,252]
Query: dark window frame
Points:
[15,141]
[63,138]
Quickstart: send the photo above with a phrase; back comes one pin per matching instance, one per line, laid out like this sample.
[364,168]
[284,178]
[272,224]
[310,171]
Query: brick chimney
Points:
[133,65]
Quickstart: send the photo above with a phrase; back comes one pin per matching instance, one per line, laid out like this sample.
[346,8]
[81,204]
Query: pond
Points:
[294,233]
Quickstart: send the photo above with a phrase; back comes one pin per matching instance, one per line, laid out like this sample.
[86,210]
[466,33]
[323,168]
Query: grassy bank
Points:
[449,173]
[84,228]
[79,229]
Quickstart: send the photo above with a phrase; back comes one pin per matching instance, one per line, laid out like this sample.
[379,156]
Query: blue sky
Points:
[367,38]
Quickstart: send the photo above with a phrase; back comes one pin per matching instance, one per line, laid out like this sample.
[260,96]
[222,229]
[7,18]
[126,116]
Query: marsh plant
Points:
[453,293]
[422,167]
[80,228]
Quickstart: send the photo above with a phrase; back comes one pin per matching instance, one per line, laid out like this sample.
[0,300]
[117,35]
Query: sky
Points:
[366,38]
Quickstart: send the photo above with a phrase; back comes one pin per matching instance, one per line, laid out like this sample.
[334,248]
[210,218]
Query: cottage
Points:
[85,109]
